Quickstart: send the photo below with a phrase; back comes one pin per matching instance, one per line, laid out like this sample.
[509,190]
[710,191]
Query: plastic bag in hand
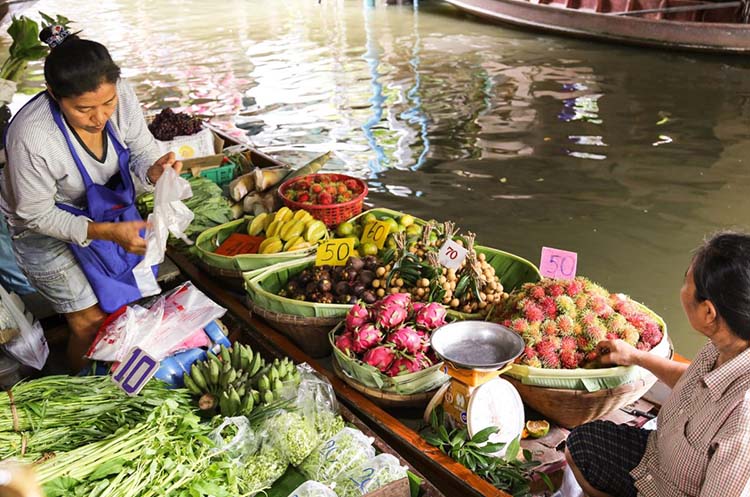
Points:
[30,346]
[170,215]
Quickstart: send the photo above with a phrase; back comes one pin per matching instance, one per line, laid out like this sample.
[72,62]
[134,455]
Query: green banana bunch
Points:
[237,379]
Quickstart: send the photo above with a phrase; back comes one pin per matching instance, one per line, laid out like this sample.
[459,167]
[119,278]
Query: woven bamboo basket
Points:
[385,399]
[309,333]
[570,408]
[232,277]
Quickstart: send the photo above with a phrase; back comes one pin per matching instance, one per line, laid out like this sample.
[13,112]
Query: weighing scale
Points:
[475,354]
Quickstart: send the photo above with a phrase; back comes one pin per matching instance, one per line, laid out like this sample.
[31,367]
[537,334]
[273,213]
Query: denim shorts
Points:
[52,269]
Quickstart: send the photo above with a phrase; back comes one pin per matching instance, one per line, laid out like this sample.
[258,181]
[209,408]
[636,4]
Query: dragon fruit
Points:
[345,343]
[400,299]
[409,364]
[406,339]
[431,316]
[417,306]
[390,316]
[357,316]
[380,357]
[366,337]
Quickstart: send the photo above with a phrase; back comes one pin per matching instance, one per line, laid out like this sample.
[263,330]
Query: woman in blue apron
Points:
[67,189]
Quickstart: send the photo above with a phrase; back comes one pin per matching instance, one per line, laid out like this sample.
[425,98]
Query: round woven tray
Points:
[309,333]
[385,399]
[570,408]
[232,277]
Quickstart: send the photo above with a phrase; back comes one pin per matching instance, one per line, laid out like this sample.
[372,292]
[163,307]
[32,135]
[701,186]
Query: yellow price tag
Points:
[376,232]
[335,252]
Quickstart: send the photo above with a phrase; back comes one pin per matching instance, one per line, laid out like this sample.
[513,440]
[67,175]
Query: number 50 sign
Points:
[558,263]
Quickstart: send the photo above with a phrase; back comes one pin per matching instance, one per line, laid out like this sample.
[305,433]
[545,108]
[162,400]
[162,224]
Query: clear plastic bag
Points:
[312,488]
[347,449]
[316,400]
[235,438]
[370,476]
[170,215]
[292,434]
[30,346]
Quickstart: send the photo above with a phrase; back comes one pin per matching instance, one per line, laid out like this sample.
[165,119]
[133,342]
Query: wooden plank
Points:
[446,474]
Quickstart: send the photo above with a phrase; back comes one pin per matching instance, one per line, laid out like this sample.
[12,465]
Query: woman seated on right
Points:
[701,446]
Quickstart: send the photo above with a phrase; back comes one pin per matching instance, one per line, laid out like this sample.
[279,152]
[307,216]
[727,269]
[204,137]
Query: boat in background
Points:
[681,24]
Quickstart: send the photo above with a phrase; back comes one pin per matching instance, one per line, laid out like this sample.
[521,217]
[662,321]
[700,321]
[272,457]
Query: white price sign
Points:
[451,254]
[135,370]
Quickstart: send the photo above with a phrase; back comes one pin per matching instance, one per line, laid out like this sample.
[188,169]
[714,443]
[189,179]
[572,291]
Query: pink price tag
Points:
[558,263]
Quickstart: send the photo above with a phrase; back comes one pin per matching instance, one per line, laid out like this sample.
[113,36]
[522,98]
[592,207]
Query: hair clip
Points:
[59,33]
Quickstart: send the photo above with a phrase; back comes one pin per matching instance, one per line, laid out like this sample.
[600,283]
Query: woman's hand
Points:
[617,352]
[167,160]
[126,234]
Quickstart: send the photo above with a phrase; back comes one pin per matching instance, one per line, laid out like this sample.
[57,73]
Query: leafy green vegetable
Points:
[292,435]
[346,450]
[26,45]
[509,473]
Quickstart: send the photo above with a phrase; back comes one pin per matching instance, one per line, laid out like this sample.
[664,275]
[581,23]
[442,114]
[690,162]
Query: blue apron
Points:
[107,266]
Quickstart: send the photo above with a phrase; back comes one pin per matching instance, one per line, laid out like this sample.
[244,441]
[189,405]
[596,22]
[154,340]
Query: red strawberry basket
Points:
[333,213]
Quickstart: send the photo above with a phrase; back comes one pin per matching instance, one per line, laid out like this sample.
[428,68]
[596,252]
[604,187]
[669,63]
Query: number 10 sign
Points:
[558,263]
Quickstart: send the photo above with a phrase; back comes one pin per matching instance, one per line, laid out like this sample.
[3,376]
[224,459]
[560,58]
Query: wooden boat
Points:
[681,24]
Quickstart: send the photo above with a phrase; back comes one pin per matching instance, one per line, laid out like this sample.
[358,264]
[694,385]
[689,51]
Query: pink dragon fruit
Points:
[391,316]
[431,316]
[345,343]
[417,306]
[380,357]
[357,316]
[409,364]
[366,337]
[399,299]
[406,339]
[425,337]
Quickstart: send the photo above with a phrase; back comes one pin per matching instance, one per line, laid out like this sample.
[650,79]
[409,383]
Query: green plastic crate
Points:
[221,175]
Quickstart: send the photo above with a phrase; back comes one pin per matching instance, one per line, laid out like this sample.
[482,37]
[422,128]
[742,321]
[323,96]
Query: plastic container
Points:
[10,372]
[330,214]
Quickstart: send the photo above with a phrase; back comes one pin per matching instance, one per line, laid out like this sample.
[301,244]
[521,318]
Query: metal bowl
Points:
[477,345]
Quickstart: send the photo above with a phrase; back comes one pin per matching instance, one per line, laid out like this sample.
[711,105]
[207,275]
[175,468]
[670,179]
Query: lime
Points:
[538,428]
[368,218]
[369,248]
[414,230]
[345,229]
[406,220]
[392,224]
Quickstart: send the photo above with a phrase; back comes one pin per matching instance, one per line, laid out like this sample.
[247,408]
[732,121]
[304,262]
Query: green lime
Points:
[414,230]
[369,248]
[393,226]
[368,218]
[537,429]
[406,220]
[345,229]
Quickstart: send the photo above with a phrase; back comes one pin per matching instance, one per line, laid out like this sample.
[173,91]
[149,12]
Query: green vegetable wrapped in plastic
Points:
[346,450]
[292,435]
[370,476]
[316,400]
[312,488]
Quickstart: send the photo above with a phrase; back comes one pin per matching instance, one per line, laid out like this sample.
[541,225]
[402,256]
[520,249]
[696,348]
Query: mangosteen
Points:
[300,296]
[355,263]
[324,285]
[341,288]
[305,277]
[351,274]
[343,299]
[337,272]
[352,299]
[314,296]
[369,297]
[292,287]
[366,277]
[310,288]
[358,288]
[371,262]
[326,298]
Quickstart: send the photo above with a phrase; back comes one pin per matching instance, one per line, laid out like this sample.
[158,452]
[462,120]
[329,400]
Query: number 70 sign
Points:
[558,263]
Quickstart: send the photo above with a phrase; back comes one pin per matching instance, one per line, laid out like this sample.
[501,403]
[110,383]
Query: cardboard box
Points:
[198,149]
[398,488]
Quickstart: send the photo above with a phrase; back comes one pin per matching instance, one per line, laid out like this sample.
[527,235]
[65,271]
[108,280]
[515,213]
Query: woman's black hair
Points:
[77,66]
[721,273]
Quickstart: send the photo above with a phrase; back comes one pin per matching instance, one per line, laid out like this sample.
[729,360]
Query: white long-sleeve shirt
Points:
[40,169]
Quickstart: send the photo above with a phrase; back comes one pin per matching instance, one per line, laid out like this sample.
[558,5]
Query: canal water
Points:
[627,156]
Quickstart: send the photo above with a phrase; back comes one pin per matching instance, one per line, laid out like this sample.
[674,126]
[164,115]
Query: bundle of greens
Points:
[56,413]
[508,473]
[26,46]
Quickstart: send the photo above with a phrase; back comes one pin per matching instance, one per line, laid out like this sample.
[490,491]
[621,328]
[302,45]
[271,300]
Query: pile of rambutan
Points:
[562,321]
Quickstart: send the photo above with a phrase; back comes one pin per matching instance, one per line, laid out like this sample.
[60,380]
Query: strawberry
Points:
[325,198]
[330,189]
[317,188]
[352,185]
[303,197]
[342,188]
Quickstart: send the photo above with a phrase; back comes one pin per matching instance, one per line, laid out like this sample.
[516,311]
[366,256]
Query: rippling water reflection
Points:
[626,156]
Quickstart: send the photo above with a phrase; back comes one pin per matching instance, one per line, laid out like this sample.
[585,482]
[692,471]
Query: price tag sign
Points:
[451,254]
[376,232]
[558,263]
[135,370]
[335,252]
